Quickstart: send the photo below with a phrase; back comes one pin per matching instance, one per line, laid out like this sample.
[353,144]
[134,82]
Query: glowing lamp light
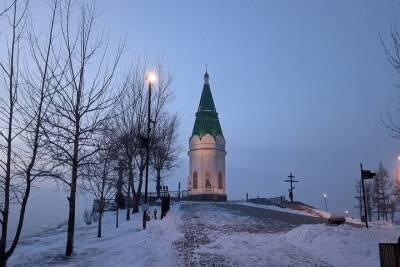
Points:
[151,77]
[325,195]
[398,157]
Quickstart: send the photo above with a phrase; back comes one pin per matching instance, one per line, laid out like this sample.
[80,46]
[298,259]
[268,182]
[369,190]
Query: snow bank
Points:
[343,245]
[307,245]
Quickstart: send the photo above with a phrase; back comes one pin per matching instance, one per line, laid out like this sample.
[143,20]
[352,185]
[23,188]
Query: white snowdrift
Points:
[327,245]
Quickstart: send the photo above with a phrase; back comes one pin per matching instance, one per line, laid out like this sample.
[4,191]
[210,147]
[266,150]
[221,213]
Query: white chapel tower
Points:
[207,178]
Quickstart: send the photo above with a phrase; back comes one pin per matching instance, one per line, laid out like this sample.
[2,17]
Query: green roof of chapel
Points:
[207,121]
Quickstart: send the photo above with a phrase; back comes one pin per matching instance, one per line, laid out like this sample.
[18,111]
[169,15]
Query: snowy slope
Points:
[127,245]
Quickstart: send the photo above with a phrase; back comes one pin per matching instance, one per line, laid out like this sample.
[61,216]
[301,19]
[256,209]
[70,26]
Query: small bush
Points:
[88,217]
[95,217]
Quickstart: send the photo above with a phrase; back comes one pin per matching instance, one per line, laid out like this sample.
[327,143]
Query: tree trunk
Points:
[99,222]
[378,209]
[20,220]
[71,217]
[158,182]
[119,184]
[135,208]
[130,181]
[139,189]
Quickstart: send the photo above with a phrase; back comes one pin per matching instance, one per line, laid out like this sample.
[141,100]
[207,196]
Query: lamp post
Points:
[151,78]
[326,205]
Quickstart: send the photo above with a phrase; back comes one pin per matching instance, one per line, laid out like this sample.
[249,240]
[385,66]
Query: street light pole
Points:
[326,205]
[365,202]
[147,154]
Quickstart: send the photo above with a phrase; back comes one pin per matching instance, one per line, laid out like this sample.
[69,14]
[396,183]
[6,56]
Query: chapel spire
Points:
[207,121]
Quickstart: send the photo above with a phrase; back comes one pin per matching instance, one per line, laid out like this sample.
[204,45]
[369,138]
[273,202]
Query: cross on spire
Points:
[206,76]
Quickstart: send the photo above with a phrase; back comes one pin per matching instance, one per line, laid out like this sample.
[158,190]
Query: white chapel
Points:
[207,176]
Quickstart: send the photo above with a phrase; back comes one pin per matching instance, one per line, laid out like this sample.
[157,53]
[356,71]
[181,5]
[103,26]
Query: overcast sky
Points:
[299,86]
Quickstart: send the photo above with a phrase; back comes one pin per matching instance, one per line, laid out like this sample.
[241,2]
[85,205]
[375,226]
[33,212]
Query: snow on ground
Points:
[229,235]
[343,245]
[127,245]
[269,207]
[307,245]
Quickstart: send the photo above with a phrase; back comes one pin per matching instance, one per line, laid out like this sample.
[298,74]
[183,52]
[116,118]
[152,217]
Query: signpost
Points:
[365,174]
[291,181]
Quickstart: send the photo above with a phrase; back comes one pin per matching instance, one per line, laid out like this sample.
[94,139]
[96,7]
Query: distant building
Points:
[207,180]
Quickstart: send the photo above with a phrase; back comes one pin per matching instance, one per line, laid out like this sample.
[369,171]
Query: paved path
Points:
[222,234]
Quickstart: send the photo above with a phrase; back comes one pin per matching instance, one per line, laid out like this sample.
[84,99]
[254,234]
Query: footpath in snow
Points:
[206,234]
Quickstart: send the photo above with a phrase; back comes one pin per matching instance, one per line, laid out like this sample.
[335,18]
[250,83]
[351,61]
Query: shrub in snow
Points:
[95,216]
[88,217]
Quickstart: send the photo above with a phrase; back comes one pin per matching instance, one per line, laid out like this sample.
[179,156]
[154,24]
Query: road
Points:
[224,234]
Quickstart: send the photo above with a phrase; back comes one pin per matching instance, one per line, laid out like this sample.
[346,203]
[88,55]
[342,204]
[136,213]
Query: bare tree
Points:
[9,124]
[130,124]
[99,177]
[368,188]
[7,8]
[30,93]
[359,198]
[40,83]
[165,149]
[381,191]
[81,110]
[125,129]
[393,56]
[396,188]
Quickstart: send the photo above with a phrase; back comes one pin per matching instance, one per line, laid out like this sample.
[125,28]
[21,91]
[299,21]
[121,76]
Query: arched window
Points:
[220,180]
[208,179]
[195,180]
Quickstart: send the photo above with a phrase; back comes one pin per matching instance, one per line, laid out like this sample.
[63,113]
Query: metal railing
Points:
[207,189]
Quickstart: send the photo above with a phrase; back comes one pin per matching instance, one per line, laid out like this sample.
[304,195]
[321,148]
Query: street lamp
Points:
[326,205]
[151,78]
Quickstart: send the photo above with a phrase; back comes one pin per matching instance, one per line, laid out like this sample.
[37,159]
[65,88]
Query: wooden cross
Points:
[291,181]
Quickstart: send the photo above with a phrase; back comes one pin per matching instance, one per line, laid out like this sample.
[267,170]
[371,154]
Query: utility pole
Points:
[365,174]
[291,188]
